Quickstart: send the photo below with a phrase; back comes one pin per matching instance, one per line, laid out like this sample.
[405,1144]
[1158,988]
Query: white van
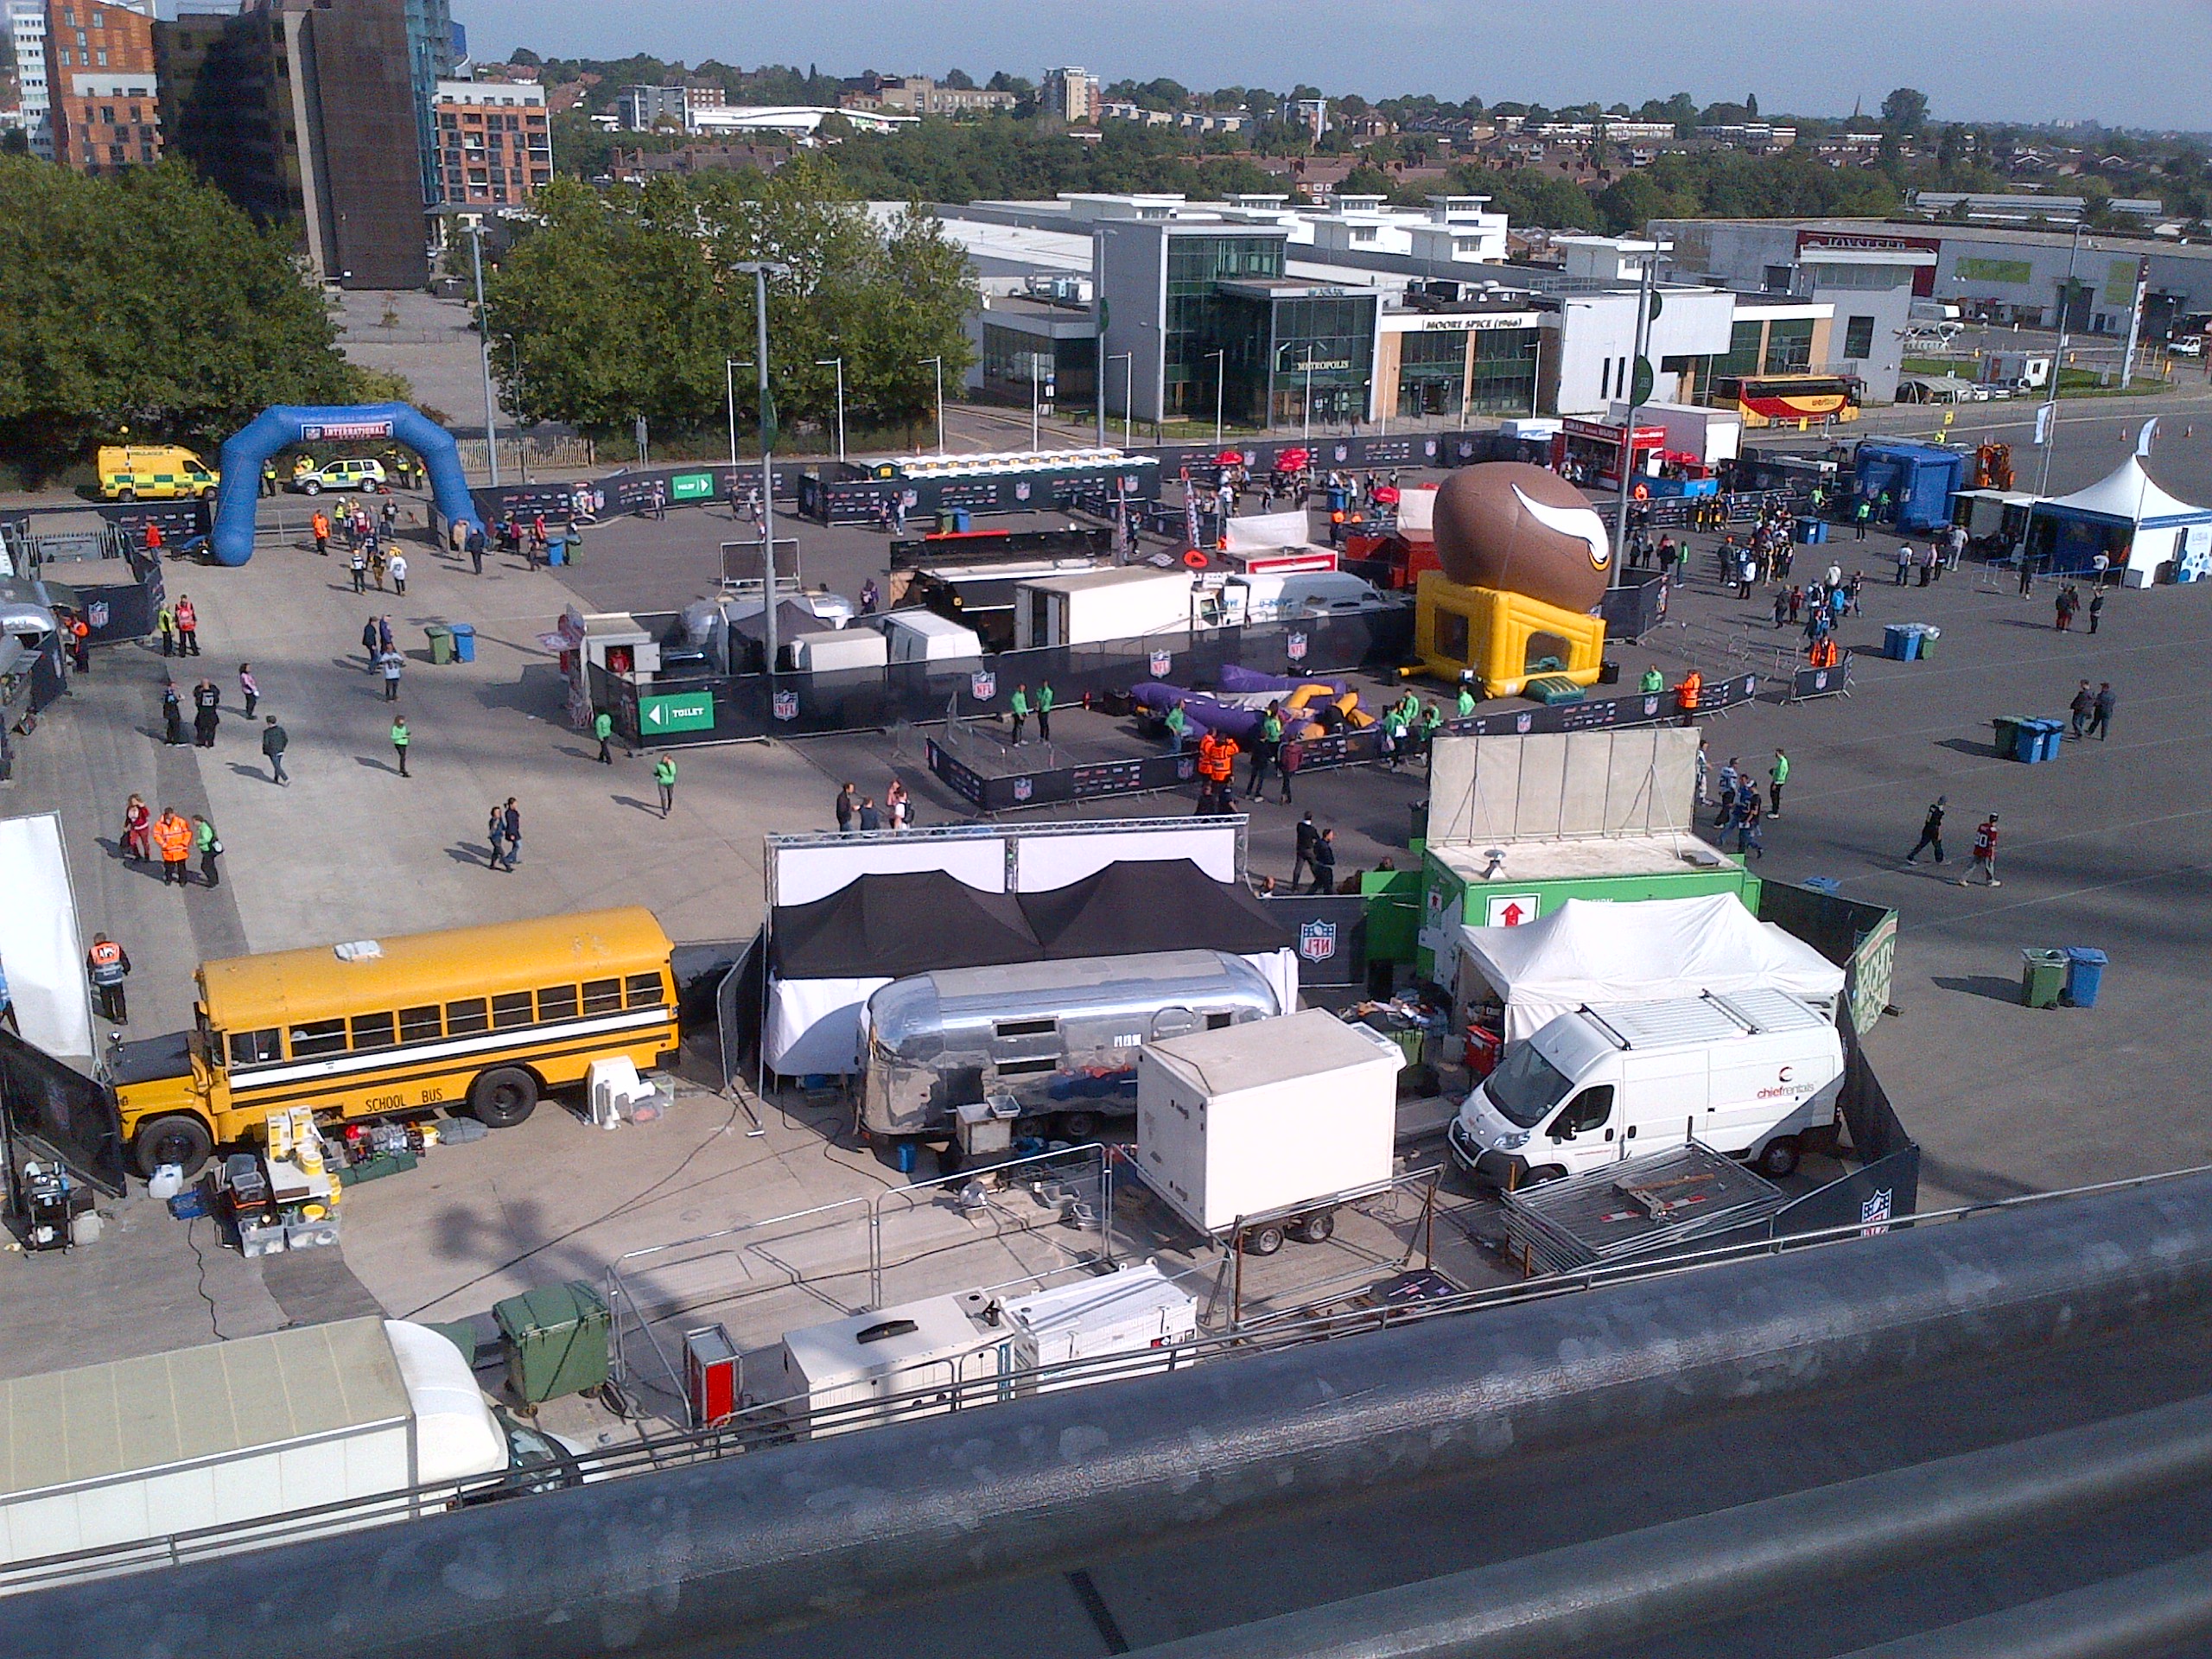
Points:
[925,636]
[1746,1074]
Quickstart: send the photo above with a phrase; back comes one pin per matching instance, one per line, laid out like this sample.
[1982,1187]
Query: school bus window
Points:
[556,1002]
[465,1017]
[372,1031]
[319,1037]
[419,1025]
[511,1009]
[255,1047]
[645,990]
[602,996]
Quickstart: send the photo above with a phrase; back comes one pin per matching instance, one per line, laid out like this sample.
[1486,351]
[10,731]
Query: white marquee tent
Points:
[1594,951]
[2125,515]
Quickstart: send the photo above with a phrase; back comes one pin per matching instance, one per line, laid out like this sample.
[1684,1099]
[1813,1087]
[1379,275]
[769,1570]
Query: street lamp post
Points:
[2047,416]
[1309,366]
[1129,362]
[1628,423]
[1036,437]
[937,363]
[760,270]
[839,363]
[730,366]
[1220,373]
[483,341]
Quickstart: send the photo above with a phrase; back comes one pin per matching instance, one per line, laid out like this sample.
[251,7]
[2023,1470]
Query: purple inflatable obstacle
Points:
[1238,679]
[1197,708]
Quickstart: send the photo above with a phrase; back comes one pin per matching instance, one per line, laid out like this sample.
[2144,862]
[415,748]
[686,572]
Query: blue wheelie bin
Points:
[2027,741]
[464,641]
[2052,732]
[2085,972]
[1899,642]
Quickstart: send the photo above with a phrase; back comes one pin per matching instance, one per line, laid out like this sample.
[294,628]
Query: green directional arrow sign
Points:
[686,711]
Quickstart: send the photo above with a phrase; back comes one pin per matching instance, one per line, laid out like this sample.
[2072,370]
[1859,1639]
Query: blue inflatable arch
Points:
[286,426]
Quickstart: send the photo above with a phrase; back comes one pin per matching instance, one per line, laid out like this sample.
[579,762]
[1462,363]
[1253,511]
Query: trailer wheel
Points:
[1078,1125]
[1778,1158]
[1264,1240]
[1316,1228]
[179,1139]
[501,1098]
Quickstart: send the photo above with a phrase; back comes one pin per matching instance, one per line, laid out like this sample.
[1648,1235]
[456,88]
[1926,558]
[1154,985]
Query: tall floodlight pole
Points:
[2047,416]
[1628,425]
[1220,373]
[760,270]
[483,341]
[1129,362]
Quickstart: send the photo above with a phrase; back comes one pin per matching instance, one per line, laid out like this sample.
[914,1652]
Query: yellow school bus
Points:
[486,1017]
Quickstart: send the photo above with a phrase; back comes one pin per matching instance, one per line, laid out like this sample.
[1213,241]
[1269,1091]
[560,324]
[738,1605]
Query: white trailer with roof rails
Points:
[1746,1074]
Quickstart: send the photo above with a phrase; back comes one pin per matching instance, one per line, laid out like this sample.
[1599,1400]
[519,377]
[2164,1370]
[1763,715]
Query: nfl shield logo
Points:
[984,685]
[1161,661]
[1187,768]
[1023,789]
[1316,941]
[1651,705]
[1021,491]
[1523,723]
[1820,680]
[1874,1213]
[1341,452]
[785,705]
[1296,647]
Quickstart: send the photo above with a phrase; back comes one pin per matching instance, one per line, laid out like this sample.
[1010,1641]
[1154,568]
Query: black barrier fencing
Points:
[1808,683]
[993,792]
[865,699]
[1636,607]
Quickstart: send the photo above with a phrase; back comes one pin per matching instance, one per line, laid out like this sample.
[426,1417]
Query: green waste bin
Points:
[2042,977]
[2008,735]
[441,642]
[555,1339]
[1928,638]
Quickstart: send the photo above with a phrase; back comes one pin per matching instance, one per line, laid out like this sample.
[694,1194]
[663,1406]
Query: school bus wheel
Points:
[501,1098]
[179,1139]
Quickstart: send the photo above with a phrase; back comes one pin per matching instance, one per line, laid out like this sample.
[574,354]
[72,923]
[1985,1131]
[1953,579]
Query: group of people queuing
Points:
[173,838]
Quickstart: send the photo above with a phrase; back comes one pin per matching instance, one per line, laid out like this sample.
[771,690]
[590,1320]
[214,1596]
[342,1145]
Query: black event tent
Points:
[1137,906]
[888,926]
[892,925]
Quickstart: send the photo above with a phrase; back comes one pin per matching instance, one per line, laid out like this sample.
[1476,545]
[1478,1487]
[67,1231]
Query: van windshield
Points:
[1525,1086]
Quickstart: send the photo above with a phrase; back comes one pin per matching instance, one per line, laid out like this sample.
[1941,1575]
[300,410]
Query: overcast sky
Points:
[2124,62]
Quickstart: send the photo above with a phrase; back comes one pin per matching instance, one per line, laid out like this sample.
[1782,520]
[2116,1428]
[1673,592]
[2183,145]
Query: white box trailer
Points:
[232,1433]
[837,648]
[1088,607]
[1268,1122]
[1711,434]
[912,1360]
[917,636]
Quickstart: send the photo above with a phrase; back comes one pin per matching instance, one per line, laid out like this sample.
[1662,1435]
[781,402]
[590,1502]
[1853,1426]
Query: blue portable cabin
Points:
[1920,478]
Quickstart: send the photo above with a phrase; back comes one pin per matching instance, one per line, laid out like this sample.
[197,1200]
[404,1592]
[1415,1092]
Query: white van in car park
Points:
[1746,1074]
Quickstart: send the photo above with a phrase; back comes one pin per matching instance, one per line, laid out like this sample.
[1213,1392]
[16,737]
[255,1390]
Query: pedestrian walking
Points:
[1018,707]
[1324,860]
[165,625]
[172,715]
[899,806]
[370,651]
[2096,608]
[1689,694]
[1778,775]
[871,596]
[1931,832]
[1046,699]
[1701,769]
[1288,759]
[400,572]
[81,641]
[249,689]
[385,641]
[848,804]
[1748,839]
[602,727]
[320,525]
[391,662]
[2100,711]
[207,713]
[1730,778]
[1782,607]
[2027,574]
[664,778]
[1267,740]
[511,827]
[401,737]
[1905,562]
[2063,608]
[2084,705]
[1861,510]
[1301,861]
[273,741]
[475,543]
[357,565]
[868,819]
[1984,853]
[107,965]
[137,841]
[209,845]
[173,840]
[187,626]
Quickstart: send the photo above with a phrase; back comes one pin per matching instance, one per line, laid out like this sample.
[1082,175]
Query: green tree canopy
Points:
[148,301]
[627,304]
[1905,110]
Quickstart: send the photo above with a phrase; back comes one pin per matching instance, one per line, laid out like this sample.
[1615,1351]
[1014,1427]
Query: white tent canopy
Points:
[1594,951]
[1265,532]
[2129,495]
[2165,538]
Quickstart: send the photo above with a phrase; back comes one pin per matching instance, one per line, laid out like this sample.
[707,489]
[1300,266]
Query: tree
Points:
[153,303]
[1905,110]
[623,305]
[959,80]
[1751,105]
[525,56]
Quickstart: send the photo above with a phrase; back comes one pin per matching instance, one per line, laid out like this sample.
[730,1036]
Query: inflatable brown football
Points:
[1509,525]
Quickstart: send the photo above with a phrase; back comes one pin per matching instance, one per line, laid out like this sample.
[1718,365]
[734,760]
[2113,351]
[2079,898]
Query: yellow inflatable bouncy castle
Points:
[1525,560]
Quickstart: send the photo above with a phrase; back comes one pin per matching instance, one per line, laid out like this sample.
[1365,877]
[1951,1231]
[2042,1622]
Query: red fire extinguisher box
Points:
[710,1375]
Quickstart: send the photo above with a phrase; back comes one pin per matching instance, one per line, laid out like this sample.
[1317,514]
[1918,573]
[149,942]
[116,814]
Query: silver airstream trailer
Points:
[1060,1037]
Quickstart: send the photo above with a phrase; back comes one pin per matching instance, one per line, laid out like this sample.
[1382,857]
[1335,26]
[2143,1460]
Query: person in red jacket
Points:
[1984,853]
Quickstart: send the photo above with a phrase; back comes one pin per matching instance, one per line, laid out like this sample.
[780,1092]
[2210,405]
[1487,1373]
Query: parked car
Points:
[2192,346]
[363,475]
